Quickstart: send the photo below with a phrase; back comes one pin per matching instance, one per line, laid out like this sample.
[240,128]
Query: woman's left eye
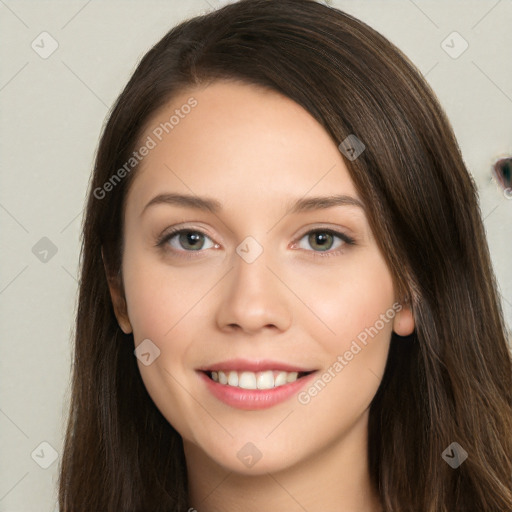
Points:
[323,238]
[192,240]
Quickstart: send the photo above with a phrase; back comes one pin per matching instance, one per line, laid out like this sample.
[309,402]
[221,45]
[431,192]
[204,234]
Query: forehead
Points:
[241,144]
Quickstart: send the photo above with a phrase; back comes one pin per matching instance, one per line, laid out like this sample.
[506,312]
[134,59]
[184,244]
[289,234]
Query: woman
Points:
[286,298]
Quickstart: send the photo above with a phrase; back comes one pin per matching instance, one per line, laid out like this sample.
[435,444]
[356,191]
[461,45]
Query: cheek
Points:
[358,308]
[157,296]
[161,309]
[347,301]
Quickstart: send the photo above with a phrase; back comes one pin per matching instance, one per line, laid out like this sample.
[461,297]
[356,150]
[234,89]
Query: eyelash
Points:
[171,234]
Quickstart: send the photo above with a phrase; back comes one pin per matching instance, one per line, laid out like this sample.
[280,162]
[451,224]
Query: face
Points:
[296,302]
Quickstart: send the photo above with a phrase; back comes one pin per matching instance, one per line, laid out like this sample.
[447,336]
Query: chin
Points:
[245,457]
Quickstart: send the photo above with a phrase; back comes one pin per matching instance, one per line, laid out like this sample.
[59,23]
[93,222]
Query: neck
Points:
[335,478]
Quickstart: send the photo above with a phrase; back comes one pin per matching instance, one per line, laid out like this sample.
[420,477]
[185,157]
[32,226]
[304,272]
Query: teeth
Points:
[233,379]
[251,380]
[265,380]
[291,377]
[247,380]
[281,379]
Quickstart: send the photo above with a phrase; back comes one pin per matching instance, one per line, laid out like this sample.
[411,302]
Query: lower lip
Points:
[254,399]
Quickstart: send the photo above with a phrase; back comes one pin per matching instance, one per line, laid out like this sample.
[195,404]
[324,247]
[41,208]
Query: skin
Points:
[287,305]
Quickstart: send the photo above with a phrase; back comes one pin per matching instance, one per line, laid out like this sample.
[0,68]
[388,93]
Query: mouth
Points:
[254,384]
[263,380]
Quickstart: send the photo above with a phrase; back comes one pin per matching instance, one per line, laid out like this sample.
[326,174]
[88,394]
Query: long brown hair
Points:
[450,381]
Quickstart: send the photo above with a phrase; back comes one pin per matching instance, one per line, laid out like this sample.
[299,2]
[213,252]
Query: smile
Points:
[253,385]
[251,380]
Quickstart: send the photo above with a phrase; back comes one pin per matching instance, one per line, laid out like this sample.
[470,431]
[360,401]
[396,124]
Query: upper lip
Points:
[253,366]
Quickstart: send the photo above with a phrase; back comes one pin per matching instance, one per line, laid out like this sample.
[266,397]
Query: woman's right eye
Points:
[191,240]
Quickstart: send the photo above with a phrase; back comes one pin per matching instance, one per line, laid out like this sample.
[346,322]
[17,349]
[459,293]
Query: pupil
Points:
[320,236]
[192,238]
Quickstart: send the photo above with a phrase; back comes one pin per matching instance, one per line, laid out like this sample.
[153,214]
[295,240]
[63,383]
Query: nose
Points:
[253,297]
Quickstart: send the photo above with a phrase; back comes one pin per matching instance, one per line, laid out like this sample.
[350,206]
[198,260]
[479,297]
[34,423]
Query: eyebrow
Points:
[212,205]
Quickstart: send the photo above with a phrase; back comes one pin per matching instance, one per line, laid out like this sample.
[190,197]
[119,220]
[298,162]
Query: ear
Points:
[118,300]
[403,323]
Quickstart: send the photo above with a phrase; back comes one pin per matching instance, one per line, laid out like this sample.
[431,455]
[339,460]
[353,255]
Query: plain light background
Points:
[53,110]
